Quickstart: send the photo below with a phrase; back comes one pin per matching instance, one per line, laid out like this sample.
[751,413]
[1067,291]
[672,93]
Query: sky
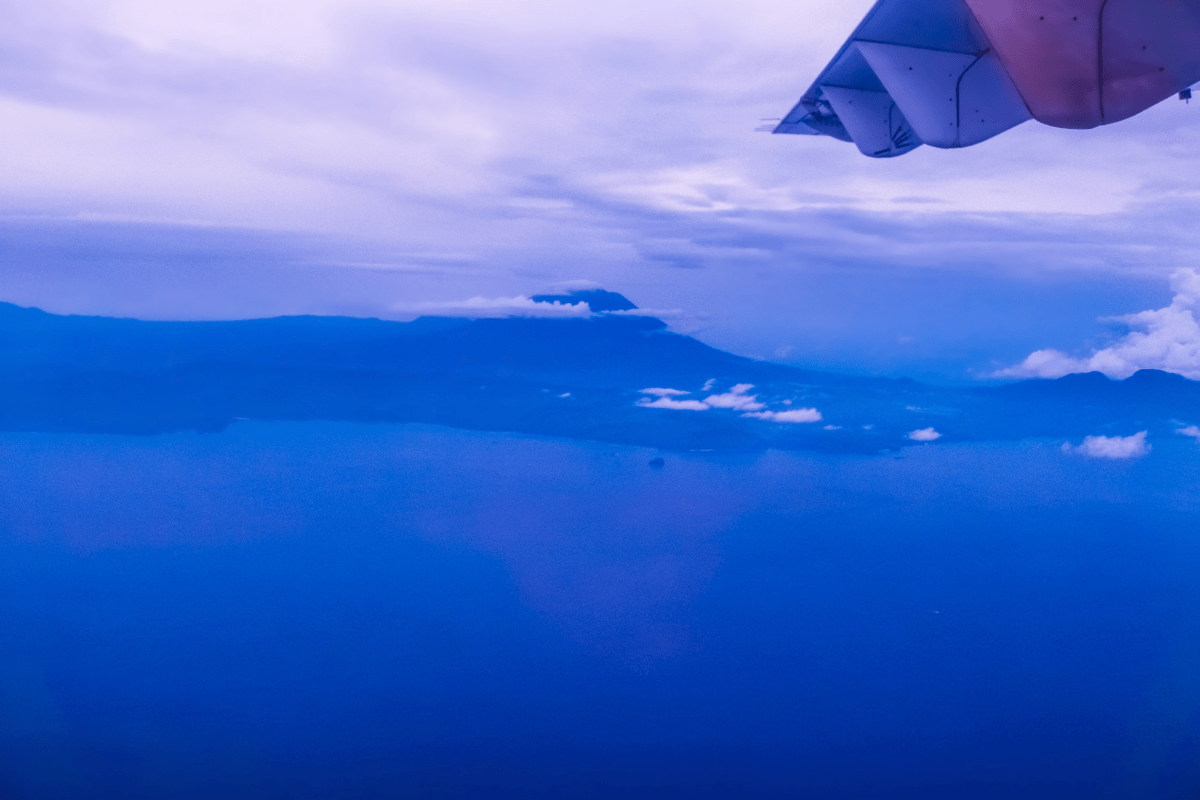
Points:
[218,160]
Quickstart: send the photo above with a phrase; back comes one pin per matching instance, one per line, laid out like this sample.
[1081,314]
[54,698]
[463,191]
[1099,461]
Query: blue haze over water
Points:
[239,560]
[344,610]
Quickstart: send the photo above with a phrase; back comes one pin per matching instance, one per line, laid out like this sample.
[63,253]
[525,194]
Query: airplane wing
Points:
[953,73]
[913,72]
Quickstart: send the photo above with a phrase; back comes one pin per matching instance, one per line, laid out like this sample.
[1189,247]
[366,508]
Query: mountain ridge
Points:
[573,377]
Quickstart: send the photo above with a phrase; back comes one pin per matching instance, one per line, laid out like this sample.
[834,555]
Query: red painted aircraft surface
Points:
[953,73]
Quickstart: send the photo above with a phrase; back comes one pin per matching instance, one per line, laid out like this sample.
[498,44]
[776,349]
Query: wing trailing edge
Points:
[954,73]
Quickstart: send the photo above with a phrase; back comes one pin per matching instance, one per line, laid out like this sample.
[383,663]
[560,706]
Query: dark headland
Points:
[580,377]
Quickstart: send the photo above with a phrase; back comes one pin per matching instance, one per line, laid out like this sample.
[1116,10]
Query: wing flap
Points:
[873,120]
[950,99]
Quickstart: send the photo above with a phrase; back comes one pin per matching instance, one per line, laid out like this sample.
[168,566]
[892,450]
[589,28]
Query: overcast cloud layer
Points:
[323,115]
[451,150]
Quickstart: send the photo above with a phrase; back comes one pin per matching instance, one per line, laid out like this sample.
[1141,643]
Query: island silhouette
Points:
[612,376]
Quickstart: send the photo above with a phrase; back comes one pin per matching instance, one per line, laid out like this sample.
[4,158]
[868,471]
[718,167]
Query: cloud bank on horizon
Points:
[498,307]
[1170,342]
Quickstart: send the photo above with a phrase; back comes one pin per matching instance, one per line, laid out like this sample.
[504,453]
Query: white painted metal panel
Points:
[873,120]
[988,102]
[950,99]
[924,83]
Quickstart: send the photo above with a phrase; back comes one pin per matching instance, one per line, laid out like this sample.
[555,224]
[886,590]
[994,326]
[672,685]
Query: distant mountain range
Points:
[575,377]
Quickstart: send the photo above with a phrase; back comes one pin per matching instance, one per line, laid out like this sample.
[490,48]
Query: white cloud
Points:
[1190,430]
[1133,446]
[480,307]
[1170,341]
[925,435]
[676,405]
[736,398]
[708,385]
[791,415]
[664,392]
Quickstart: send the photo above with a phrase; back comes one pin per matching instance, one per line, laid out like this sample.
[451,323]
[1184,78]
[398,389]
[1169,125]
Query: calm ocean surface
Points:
[334,610]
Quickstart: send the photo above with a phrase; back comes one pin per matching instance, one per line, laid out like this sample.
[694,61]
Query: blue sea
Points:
[340,610]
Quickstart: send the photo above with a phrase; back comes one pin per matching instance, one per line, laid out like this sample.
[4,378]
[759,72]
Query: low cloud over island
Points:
[1116,447]
[738,398]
